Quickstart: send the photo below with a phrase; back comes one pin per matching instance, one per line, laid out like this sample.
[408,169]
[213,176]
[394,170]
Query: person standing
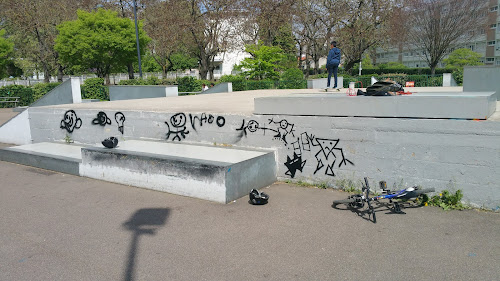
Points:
[332,64]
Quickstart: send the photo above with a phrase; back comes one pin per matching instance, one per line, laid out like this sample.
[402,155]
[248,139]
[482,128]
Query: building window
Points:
[490,59]
[494,8]
[491,43]
[497,62]
[471,47]
[482,31]
[493,26]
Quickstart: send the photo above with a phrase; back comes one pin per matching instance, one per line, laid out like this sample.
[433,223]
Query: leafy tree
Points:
[265,62]
[6,50]
[100,41]
[438,25]
[462,57]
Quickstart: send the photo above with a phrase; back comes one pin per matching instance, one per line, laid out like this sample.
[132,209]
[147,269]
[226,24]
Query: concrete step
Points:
[212,173]
[59,157]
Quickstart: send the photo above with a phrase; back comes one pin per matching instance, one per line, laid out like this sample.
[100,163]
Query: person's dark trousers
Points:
[332,69]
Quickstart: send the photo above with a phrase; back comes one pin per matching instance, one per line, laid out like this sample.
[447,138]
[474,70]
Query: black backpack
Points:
[383,88]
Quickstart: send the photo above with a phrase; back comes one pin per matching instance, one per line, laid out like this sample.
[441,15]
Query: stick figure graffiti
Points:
[120,119]
[101,119]
[327,150]
[70,121]
[282,131]
[178,129]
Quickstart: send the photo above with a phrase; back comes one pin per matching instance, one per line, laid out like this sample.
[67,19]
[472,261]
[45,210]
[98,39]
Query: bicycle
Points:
[358,201]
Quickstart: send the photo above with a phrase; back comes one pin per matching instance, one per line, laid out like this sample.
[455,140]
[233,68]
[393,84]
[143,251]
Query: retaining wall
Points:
[445,154]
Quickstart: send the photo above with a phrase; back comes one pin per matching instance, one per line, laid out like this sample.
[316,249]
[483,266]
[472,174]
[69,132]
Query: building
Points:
[486,42]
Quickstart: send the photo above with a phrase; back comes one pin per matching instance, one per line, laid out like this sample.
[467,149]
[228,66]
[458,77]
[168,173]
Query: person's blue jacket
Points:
[333,57]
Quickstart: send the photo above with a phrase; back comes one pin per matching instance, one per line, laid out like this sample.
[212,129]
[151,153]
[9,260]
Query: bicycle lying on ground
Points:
[357,201]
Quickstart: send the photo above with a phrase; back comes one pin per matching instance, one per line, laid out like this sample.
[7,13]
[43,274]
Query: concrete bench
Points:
[207,172]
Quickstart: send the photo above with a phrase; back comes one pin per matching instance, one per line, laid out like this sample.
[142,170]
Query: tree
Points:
[265,62]
[164,24]
[100,41]
[462,57]
[212,25]
[32,27]
[363,27]
[438,25]
[6,50]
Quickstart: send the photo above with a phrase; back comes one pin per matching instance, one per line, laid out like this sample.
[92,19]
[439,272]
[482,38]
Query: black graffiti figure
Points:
[120,119]
[252,127]
[294,164]
[283,130]
[327,153]
[70,121]
[102,119]
[178,129]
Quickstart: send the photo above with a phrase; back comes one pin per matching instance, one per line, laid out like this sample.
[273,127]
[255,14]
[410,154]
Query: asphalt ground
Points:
[55,226]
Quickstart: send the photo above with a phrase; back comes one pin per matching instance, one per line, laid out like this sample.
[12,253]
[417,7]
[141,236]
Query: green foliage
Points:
[348,185]
[24,93]
[448,200]
[6,50]
[458,75]
[93,88]
[265,62]
[237,80]
[99,41]
[189,84]
[292,78]
[462,57]
[40,89]
[181,61]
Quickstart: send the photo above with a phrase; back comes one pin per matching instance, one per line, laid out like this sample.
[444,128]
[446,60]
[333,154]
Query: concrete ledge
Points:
[467,105]
[182,169]
[31,155]
[130,92]
[321,83]
[226,87]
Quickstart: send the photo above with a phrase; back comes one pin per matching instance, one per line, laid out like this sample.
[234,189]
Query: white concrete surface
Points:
[210,153]
[16,130]
[58,149]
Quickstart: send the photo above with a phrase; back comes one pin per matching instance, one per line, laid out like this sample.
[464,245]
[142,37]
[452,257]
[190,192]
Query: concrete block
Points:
[62,158]
[130,92]
[16,130]
[470,105]
[321,83]
[482,78]
[66,93]
[182,169]
[226,87]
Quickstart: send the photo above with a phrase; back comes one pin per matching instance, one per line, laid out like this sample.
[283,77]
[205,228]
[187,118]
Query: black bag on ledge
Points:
[382,88]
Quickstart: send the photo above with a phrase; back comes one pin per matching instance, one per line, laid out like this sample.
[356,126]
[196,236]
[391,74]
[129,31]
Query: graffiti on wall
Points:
[120,119]
[70,121]
[327,152]
[101,119]
[177,126]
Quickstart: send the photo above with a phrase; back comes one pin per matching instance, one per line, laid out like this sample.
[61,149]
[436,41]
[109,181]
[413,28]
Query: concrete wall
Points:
[16,130]
[321,83]
[482,78]
[444,154]
[130,92]
[66,93]
[226,87]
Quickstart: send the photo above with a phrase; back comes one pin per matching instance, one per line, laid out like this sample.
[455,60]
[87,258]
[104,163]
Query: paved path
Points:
[60,227]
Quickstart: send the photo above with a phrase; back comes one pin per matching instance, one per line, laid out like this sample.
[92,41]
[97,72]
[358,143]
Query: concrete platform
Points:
[466,105]
[64,158]
[206,172]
